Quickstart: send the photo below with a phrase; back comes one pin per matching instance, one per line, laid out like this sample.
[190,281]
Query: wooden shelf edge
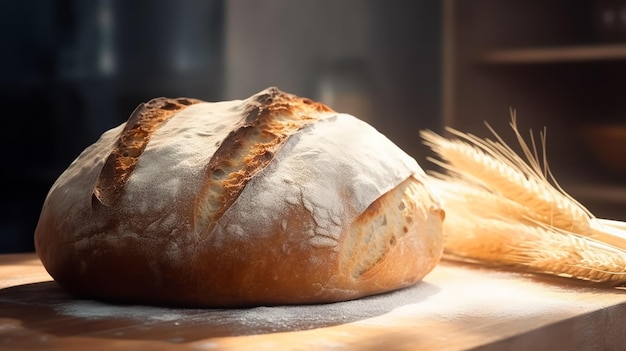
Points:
[534,55]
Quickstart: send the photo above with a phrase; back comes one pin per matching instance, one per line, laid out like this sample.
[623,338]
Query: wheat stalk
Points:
[505,209]
[534,248]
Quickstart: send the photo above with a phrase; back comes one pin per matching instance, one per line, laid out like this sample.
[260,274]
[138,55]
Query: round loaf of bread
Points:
[271,200]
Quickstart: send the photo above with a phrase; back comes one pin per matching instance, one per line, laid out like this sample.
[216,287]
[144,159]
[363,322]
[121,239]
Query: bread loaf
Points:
[274,199]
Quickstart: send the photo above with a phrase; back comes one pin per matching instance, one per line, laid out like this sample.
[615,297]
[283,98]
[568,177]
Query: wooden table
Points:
[456,307]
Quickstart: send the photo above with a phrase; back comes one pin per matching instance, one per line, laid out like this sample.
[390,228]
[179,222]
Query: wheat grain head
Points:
[504,173]
[507,210]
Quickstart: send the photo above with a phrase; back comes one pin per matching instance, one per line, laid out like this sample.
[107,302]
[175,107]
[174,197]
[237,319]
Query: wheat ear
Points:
[505,209]
[496,166]
[507,175]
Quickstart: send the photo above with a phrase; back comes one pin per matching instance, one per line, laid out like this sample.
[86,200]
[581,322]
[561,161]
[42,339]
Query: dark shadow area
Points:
[73,69]
[45,309]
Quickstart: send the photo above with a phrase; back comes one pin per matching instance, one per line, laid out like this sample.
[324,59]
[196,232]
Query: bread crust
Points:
[261,201]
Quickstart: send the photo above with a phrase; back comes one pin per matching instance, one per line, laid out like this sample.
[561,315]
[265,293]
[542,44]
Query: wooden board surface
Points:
[456,307]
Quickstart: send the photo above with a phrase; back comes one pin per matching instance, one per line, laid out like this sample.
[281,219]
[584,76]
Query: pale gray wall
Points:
[287,44]
[280,42]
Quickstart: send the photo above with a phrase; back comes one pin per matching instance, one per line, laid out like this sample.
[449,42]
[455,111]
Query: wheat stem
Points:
[535,249]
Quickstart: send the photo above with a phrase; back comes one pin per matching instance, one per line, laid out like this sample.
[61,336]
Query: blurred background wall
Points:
[75,68]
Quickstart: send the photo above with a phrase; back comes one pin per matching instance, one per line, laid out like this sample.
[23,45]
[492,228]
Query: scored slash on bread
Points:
[271,118]
[133,139]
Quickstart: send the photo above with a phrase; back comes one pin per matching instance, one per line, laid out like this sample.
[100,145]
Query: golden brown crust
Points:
[144,121]
[236,276]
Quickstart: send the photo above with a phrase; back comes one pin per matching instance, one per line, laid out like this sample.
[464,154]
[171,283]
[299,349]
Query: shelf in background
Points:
[536,55]
[547,60]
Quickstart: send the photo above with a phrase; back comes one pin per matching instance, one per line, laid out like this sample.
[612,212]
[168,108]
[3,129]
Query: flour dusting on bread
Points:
[274,199]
